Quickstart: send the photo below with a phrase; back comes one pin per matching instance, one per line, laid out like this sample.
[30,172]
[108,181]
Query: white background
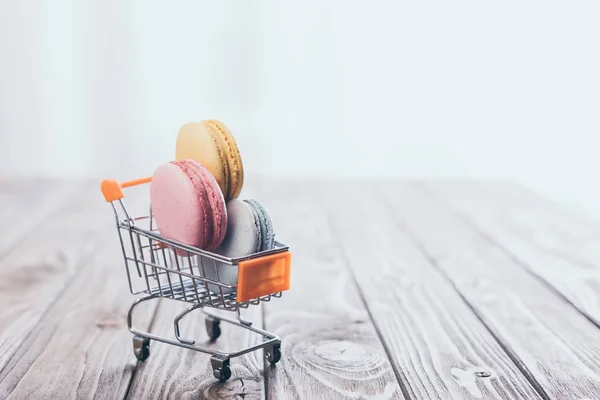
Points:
[328,89]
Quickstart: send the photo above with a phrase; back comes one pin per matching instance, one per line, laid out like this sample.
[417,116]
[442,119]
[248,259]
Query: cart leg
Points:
[141,347]
[213,328]
[176,325]
[221,369]
[242,320]
[136,303]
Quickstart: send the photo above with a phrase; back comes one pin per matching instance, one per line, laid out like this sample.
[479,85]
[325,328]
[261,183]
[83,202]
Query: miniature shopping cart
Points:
[159,267]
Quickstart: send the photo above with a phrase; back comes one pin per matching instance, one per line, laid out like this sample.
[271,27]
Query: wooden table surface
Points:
[415,290]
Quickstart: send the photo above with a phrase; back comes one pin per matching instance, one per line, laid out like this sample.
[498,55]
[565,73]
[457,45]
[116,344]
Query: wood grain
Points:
[555,345]
[379,272]
[35,271]
[559,247]
[26,204]
[330,349]
[81,347]
[437,344]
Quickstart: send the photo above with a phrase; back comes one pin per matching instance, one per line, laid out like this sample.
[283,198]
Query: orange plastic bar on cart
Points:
[262,276]
[111,189]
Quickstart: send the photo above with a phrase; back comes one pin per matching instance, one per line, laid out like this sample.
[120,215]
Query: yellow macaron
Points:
[212,145]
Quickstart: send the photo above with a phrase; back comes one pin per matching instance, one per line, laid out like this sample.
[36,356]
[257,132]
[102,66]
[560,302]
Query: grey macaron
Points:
[249,230]
[267,234]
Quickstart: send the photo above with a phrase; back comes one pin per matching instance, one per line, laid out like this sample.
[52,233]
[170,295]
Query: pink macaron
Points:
[188,205]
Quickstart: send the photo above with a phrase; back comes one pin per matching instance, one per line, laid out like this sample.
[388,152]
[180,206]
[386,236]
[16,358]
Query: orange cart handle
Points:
[111,189]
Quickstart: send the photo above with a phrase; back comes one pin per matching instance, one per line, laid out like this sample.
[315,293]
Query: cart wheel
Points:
[141,348]
[221,369]
[223,374]
[273,354]
[213,328]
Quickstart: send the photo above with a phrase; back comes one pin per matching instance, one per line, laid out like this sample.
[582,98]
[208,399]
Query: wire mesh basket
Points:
[158,267]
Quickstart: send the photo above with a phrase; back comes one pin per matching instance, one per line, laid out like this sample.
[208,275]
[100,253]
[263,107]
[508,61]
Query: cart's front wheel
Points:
[213,328]
[273,354]
[141,348]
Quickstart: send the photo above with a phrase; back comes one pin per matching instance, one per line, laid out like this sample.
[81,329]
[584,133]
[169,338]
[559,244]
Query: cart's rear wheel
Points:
[213,328]
[141,348]
[224,373]
[221,369]
[273,354]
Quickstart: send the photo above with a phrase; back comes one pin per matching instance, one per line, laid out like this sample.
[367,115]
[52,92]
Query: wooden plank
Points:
[438,346]
[24,204]
[560,248]
[35,272]
[554,344]
[330,348]
[81,347]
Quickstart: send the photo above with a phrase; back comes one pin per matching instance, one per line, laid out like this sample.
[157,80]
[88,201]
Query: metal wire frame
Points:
[169,269]
[161,268]
[269,339]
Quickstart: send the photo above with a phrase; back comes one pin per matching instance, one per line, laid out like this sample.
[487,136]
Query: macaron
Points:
[267,234]
[188,205]
[249,230]
[212,145]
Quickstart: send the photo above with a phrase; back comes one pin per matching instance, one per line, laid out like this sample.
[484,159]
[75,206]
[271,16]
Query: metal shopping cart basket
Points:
[159,267]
